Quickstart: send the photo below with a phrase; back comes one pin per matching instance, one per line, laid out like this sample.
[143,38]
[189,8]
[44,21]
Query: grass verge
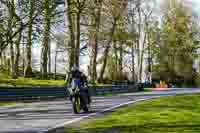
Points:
[147,89]
[30,82]
[179,114]
[7,103]
[7,81]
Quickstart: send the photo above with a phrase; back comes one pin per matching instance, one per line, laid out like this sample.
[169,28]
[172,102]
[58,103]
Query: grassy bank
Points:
[179,114]
[30,82]
[7,103]
[6,81]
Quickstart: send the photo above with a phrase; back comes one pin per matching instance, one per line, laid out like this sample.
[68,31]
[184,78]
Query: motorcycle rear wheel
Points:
[86,105]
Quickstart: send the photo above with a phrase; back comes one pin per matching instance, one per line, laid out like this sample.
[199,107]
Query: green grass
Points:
[30,82]
[147,89]
[100,84]
[7,103]
[5,80]
[179,114]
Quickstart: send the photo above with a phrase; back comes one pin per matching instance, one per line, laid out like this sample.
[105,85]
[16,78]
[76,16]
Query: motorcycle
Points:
[79,97]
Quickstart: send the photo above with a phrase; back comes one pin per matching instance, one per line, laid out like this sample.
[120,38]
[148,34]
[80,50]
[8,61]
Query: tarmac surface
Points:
[40,117]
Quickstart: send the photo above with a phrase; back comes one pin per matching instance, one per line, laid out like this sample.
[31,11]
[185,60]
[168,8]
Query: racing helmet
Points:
[75,68]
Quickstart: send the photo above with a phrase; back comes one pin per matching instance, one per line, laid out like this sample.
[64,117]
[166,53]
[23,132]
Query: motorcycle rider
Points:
[77,74]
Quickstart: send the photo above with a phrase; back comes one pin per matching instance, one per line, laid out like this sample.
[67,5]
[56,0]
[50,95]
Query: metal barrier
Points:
[7,93]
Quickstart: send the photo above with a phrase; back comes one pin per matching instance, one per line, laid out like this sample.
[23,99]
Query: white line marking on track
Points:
[92,114]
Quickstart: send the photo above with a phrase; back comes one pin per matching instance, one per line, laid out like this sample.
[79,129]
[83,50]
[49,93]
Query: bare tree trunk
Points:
[116,75]
[23,61]
[133,61]
[94,58]
[95,45]
[55,65]
[18,41]
[77,47]
[10,42]
[104,62]
[9,39]
[1,58]
[44,55]
[8,61]
[45,45]
[149,59]
[80,8]
[141,59]
[133,41]
[121,61]
[138,39]
[90,67]
[28,69]
[4,58]
[16,64]
[49,55]
[12,58]
[106,52]
[71,43]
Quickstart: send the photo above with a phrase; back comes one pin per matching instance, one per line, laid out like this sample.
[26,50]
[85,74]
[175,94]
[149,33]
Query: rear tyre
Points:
[86,107]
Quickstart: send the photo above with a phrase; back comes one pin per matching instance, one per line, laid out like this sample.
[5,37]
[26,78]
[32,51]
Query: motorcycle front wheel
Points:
[76,104]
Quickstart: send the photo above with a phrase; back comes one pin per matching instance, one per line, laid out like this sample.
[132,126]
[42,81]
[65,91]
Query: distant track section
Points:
[11,93]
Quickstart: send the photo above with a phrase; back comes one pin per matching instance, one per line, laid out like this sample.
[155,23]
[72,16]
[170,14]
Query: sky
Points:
[194,4]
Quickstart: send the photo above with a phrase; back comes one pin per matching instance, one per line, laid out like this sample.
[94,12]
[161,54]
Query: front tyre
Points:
[76,104]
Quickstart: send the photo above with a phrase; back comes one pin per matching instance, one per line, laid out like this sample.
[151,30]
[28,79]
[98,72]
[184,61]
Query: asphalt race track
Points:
[40,117]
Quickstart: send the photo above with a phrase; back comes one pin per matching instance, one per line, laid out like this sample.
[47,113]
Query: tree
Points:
[75,9]
[17,42]
[49,14]
[46,34]
[71,42]
[28,69]
[94,37]
[177,49]
[33,10]
[117,9]
[11,31]
[139,17]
